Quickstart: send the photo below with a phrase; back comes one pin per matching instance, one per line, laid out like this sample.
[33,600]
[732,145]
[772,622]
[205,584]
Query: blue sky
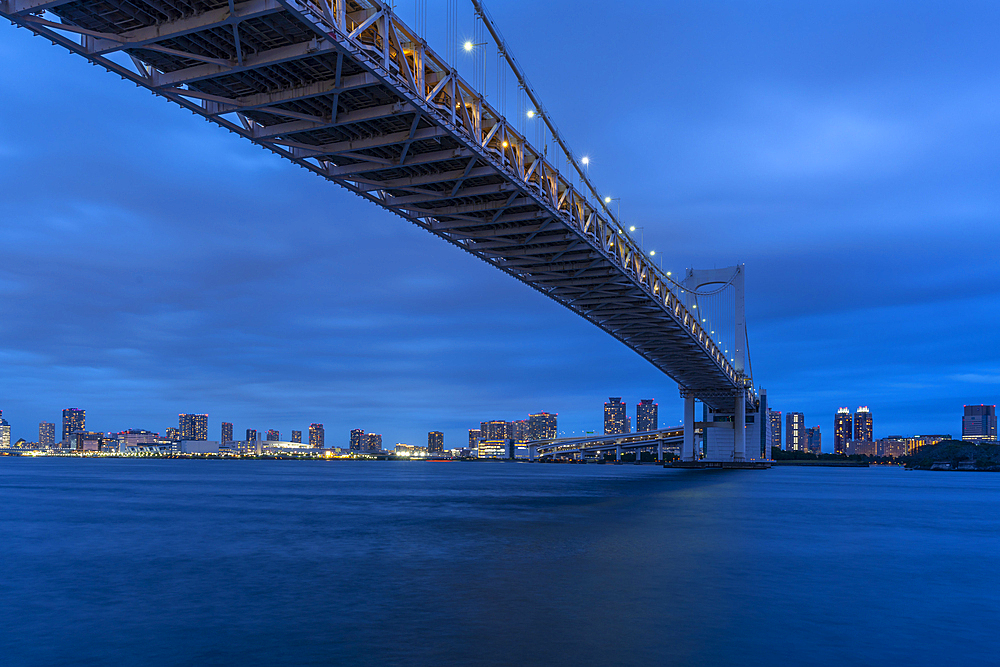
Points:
[846,152]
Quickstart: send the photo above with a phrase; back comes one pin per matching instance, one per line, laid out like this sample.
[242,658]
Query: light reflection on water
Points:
[281,562]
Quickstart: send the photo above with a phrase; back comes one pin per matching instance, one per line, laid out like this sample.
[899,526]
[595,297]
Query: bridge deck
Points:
[347,91]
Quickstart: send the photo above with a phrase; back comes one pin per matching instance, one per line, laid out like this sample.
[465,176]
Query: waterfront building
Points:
[411,451]
[297,436]
[860,448]
[795,428]
[86,441]
[435,442]
[813,441]
[894,446]
[615,417]
[73,419]
[843,429]
[541,426]
[520,431]
[227,432]
[979,422]
[172,434]
[646,416]
[273,435]
[193,427]
[474,435]
[494,430]
[357,440]
[774,417]
[494,449]
[251,434]
[317,436]
[4,433]
[135,437]
[374,442]
[47,435]
[863,430]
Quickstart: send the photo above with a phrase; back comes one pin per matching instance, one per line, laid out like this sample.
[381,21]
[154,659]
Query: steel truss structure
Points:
[346,90]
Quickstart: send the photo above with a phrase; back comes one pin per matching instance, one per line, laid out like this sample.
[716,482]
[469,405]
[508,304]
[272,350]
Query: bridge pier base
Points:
[618,453]
[687,446]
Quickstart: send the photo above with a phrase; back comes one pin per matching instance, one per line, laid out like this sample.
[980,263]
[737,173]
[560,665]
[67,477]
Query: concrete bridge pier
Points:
[687,446]
[739,427]
[618,453]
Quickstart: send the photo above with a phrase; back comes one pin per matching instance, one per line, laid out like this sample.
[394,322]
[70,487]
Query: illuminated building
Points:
[843,429]
[474,435]
[494,449]
[646,416]
[541,426]
[317,436]
[979,422]
[775,418]
[74,419]
[519,431]
[412,451]
[494,430]
[435,442]
[795,427]
[47,435]
[4,433]
[357,440]
[193,427]
[813,441]
[227,432]
[135,437]
[296,437]
[272,435]
[615,417]
[173,434]
[863,425]
[374,442]
[860,448]
[86,441]
[251,435]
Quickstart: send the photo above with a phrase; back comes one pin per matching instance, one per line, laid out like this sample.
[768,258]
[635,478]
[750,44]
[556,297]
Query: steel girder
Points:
[344,89]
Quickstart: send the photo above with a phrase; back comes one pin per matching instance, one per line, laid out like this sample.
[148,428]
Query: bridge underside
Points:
[347,91]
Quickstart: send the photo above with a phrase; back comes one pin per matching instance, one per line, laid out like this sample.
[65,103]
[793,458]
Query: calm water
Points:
[117,562]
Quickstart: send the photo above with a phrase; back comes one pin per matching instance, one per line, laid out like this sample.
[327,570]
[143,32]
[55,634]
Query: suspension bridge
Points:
[348,91]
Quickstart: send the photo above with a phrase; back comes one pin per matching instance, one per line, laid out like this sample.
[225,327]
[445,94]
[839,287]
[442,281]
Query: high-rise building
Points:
[435,442]
[979,422]
[520,431]
[47,434]
[74,419]
[172,434]
[795,427]
[646,416]
[615,417]
[193,427]
[374,442]
[273,435]
[843,429]
[775,417]
[297,437]
[227,432]
[494,430]
[251,434]
[813,441]
[357,440]
[863,425]
[474,435]
[541,426]
[4,433]
[317,436]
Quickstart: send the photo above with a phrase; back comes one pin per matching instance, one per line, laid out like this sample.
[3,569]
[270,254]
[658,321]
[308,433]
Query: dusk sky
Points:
[847,152]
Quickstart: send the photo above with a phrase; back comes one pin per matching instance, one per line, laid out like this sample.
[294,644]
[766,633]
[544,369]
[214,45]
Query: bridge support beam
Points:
[739,427]
[687,446]
[618,453]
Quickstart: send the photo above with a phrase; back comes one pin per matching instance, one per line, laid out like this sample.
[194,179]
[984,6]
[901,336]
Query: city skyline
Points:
[785,172]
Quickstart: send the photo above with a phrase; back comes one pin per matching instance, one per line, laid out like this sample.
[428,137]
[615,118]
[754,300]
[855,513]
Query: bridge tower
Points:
[731,433]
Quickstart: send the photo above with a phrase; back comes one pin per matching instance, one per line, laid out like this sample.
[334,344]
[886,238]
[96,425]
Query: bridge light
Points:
[669,274]
[607,200]
[632,228]
[505,144]
[467,46]
[531,114]
[652,252]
